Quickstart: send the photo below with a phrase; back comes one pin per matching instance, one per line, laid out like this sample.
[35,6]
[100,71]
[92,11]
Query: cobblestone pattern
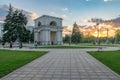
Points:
[64,65]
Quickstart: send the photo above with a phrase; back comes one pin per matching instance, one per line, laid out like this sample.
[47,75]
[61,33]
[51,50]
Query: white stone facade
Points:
[1,28]
[48,30]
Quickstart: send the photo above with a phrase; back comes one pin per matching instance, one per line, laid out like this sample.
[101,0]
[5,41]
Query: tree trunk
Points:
[20,43]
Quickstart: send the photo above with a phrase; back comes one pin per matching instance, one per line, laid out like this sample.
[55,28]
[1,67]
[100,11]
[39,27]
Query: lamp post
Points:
[115,40]
[107,35]
[97,26]
[70,37]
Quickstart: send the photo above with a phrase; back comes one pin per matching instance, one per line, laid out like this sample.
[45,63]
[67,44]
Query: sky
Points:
[71,11]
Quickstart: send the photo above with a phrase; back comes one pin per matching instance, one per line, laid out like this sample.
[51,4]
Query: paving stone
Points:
[56,79]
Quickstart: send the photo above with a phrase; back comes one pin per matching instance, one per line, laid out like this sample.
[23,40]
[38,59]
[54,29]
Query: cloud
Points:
[87,0]
[114,22]
[65,9]
[52,13]
[30,16]
[64,16]
[33,16]
[107,0]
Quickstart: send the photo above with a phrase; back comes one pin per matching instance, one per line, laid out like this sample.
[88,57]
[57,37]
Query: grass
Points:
[73,46]
[109,58]
[67,47]
[79,46]
[105,45]
[11,60]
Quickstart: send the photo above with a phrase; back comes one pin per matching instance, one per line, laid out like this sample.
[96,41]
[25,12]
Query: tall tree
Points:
[32,36]
[14,26]
[76,34]
[6,37]
[117,35]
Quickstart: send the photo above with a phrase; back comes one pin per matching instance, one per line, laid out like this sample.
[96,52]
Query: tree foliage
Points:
[87,39]
[66,39]
[32,36]
[14,26]
[76,34]
[117,35]
[76,37]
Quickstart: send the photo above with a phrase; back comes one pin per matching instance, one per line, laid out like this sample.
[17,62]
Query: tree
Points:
[32,36]
[98,30]
[14,26]
[76,37]
[26,37]
[117,35]
[7,25]
[76,34]
[66,39]
[90,39]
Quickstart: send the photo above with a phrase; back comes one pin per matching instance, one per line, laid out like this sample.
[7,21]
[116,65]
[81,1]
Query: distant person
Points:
[69,43]
[11,44]
[36,44]
[52,43]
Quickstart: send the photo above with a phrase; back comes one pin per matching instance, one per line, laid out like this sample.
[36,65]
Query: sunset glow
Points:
[102,29]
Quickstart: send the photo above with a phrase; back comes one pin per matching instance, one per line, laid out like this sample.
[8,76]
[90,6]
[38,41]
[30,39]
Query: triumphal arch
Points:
[48,30]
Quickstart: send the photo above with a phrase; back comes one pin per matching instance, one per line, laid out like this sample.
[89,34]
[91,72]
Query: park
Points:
[43,53]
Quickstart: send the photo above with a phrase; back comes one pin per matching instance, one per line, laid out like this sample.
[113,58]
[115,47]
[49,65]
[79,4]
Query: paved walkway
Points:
[66,64]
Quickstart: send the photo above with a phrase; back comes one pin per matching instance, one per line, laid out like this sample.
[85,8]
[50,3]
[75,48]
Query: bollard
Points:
[30,48]
[100,49]
[119,49]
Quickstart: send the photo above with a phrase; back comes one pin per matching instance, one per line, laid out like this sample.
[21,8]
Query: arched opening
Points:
[53,23]
[39,24]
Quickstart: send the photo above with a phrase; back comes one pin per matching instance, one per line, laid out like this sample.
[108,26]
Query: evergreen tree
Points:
[117,36]
[32,36]
[76,34]
[14,26]
[6,37]
[26,37]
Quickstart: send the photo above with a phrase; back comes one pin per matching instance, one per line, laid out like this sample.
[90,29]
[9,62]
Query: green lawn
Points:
[79,46]
[109,58]
[105,45]
[11,60]
[67,47]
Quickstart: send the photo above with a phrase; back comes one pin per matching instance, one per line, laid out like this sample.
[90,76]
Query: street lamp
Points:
[107,35]
[70,37]
[97,27]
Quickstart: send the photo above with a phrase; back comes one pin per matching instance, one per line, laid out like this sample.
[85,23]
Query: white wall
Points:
[1,28]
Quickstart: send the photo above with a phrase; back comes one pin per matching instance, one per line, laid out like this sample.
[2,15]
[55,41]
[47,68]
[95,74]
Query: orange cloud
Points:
[33,16]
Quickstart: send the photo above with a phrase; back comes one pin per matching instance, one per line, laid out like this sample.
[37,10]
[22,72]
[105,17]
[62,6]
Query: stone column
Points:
[46,37]
[59,39]
[49,42]
[43,37]
[36,36]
